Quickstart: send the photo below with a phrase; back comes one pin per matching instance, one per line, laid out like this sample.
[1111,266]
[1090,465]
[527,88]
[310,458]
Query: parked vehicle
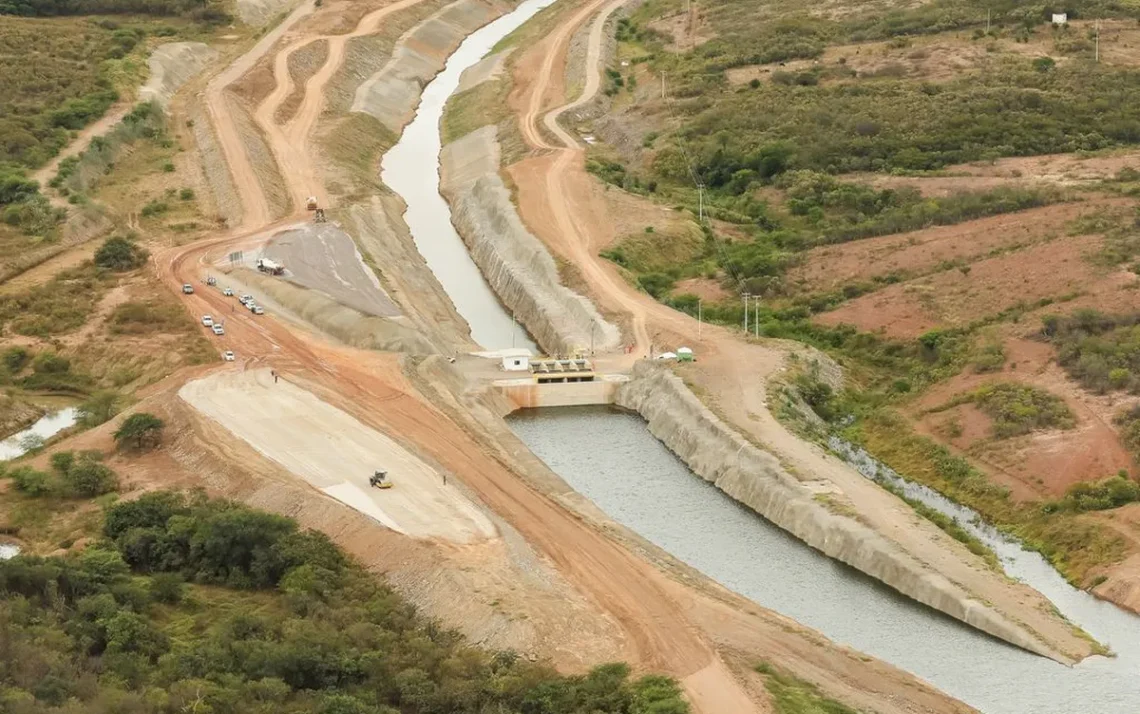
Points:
[211,280]
[218,330]
[245,299]
[379,479]
[207,320]
[228,356]
[258,310]
[228,292]
[187,289]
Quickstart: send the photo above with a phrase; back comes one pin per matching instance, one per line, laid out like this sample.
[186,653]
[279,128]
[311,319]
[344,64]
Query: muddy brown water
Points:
[610,457]
[411,169]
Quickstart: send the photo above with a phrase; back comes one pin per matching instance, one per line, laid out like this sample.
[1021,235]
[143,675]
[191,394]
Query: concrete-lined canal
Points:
[411,169]
[610,457]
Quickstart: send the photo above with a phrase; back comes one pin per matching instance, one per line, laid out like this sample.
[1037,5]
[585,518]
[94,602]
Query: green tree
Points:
[119,254]
[139,432]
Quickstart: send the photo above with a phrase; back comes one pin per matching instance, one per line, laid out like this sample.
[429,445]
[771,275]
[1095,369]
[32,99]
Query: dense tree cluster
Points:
[125,626]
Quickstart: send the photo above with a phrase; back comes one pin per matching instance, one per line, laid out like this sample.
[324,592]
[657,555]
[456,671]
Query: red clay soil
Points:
[953,298]
[919,252]
[1039,465]
[705,289]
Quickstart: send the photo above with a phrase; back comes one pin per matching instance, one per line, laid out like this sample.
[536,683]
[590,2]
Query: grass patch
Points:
[61,305]
[356,143]
[475,108]
[791,695]
[1074,546]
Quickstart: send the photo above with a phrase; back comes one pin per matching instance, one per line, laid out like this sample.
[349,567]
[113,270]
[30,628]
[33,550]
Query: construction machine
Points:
[319,216]
[311,203]
[379,479]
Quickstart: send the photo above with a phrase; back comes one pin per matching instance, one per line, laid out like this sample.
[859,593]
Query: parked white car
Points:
[228,356]
[207,321]
[258,310]
[218,330]
[245,299]
[228,292]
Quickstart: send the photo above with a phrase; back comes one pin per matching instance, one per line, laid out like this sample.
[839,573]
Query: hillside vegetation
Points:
[803,133]
[190,604]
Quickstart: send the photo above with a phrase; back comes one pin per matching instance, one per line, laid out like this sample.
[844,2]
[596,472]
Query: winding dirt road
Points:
[659,635]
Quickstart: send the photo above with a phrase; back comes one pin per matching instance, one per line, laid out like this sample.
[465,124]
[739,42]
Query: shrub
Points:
[50,363]
[99,408]
[1018,409]
[186,194]
[62,461]
[31,482]
[1103,495]
[120,254]
[15,358]
[139,432]
[88,478]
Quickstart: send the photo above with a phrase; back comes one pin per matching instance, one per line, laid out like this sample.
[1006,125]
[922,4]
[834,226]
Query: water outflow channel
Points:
[611,458]
[411,169]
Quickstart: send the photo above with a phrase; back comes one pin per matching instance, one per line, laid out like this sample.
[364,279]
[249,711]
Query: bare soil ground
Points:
[956,298]
[922,251]
[1041,465]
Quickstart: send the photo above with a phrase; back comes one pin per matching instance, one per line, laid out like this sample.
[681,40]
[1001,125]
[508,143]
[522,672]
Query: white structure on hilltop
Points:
[1060,18]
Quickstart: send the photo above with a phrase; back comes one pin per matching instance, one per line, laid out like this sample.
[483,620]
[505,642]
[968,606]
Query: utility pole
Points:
[662,85]
[756,320]
[698,319]
[701,203]
[1098,39]
[746,296]
[987,21]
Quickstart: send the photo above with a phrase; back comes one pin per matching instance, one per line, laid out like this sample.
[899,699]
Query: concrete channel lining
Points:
[391,95]
[336,454]
[515,263]
[756,479]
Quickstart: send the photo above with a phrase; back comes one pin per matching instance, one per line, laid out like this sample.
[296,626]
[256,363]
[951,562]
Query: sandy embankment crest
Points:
[336,454]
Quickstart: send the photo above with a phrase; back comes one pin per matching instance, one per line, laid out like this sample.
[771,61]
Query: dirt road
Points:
[80,143]
[563,205]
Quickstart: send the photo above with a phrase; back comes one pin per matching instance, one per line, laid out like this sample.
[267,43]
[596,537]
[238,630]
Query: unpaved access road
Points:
[323,257]
[562,204]
[336,454]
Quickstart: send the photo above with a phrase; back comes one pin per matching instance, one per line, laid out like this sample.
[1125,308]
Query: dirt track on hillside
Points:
[565,207]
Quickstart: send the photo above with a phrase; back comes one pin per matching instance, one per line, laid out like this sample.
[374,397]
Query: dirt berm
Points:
[172,65]
[756,479]
[391,95]
[516,264]
[350,326]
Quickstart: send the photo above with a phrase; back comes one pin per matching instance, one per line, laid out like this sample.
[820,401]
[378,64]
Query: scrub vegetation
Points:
[810,131]
[191,604]
[795,696]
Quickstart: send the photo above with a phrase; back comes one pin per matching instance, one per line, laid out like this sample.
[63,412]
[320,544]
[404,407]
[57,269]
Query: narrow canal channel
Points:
[610,457]
[411,169]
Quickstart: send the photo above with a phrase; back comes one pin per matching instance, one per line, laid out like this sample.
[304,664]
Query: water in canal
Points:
[411,169]
[48,426]
[610,457]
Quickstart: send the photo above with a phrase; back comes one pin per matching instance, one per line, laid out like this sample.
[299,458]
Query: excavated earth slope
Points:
[515,263]
[755,478]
